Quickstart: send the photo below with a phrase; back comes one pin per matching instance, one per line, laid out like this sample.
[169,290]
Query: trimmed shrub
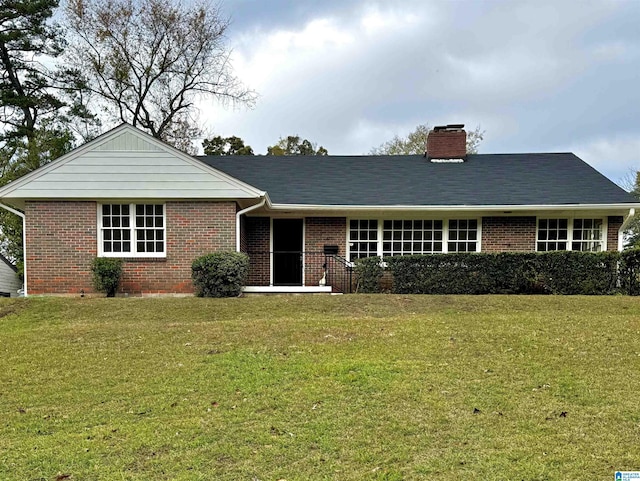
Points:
[559,272]
[368,271]
[107,273]
[220,274]
[590,273]
[630,271]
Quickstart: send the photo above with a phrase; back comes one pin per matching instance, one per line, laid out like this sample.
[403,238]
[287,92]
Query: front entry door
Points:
[287,252]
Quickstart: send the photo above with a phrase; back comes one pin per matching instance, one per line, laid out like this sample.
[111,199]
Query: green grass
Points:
[338,387]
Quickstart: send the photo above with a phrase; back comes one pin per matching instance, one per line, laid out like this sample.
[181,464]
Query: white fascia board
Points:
[251,191]
[417,208]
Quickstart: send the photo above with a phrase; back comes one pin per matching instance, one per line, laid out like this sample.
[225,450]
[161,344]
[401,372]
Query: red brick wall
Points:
[508,234]
[258,241]
[614,224]
[447,144]
[62,242]
[321,231]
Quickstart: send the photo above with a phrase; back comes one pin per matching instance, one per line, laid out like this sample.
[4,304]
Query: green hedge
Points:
[558,272]
[221,274]
[630,271]
[368,271]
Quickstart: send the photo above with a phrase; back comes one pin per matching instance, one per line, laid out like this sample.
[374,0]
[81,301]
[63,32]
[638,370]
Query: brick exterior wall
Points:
[321,231]
[614,224]
[508,234]
[62,242]
[258,241]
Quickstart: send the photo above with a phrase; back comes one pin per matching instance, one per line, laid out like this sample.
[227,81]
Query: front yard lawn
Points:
[354,387]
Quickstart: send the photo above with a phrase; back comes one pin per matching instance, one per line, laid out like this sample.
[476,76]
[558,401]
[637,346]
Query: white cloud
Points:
[537,76]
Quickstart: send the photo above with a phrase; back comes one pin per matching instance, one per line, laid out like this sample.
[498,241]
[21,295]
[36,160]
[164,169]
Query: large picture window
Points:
[132,230]
[570,234]
[407,237]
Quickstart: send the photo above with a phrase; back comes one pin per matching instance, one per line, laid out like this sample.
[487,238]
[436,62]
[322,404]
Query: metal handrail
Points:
[336,270]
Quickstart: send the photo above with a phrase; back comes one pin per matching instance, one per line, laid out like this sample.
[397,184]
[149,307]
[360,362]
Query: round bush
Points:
[107,273]
[220,274]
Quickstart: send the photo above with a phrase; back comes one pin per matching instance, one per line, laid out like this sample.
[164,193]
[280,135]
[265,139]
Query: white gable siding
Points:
[131,165]
[128,142]
[118,174]
[9,281]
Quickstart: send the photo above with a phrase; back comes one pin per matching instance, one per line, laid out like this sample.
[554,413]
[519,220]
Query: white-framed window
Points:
[587,235]
[463,235]
[406,237]
[570,234]
[363,238]
[132,230]
[392,237]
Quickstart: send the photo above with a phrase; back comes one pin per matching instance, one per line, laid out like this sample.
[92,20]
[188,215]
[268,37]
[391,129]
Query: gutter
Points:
[24,242]
[244,211]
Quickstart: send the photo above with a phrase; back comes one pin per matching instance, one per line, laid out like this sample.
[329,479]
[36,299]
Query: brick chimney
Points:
[447,143]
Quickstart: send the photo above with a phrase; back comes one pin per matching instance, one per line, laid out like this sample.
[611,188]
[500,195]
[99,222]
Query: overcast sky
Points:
[536,76]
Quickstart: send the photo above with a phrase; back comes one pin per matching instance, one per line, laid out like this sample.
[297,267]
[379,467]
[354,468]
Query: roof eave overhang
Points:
[471,208]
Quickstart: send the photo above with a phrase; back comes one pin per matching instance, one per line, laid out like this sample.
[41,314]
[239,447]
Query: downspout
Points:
[244,211]
[623,227]
[24,242]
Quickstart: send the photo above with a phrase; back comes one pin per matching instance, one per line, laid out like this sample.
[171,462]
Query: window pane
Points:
[549,232]
[460,232]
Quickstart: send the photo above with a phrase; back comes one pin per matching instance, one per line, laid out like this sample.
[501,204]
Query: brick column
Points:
[614,222]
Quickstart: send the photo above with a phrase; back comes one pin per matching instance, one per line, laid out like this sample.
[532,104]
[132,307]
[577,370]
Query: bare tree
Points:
[150,61]
[415,143]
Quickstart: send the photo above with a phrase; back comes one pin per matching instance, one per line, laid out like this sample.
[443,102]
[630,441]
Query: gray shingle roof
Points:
[483,179]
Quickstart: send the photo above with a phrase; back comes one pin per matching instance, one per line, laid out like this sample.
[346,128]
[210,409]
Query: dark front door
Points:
[287,252]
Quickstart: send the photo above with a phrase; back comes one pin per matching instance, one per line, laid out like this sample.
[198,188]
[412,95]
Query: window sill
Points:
[137,259]
[144,259]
